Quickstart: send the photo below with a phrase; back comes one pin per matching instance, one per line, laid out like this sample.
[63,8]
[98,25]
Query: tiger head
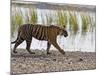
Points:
[64,33]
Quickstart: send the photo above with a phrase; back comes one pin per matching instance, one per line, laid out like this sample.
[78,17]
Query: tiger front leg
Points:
[57,46]
[28,42]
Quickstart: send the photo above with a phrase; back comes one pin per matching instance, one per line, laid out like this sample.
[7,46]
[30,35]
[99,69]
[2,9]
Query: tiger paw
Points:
[48,53]
[14,51]
[63,53]
[32,52]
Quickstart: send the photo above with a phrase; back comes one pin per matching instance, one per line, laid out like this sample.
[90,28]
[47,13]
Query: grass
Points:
[49,19]
[42,19]
[92,23]
[62,18]
[58,17]
[17,20]
[85,24]
[27,17]
[73,23]
[13,26]
[33,16]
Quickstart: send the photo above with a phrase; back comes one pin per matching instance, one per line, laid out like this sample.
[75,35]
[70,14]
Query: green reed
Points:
[27,17]
[13,26]
[73,22]
[49,19]
[85,23]
[17,20]
[42,19]
[92,23]
[61,18]
[33,16]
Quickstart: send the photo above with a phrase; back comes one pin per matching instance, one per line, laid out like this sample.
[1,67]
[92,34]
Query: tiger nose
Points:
[66,35]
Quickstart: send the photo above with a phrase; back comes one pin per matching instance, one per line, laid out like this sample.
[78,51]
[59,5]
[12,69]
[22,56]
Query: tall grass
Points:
[17,20]
[49,19]
[33,16]
[85,24]
[42,19]
[92,23]
[57,17]
[13,26]
[62,18]
[73,22]
[27,17]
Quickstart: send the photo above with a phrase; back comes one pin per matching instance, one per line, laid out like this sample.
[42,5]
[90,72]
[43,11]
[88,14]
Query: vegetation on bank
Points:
[62,18]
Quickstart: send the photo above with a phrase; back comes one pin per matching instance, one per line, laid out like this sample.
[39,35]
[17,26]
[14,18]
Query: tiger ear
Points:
[63,26]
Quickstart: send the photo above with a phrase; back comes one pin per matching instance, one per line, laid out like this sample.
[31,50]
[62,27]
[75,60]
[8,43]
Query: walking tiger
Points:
[40,32]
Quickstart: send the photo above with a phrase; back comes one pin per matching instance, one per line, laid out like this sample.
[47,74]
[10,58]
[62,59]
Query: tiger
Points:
[40,32]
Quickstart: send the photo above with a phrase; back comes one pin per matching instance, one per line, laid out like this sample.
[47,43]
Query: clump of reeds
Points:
[92,23]
[73,23]
[62,18]
[49,19]
[13,26]
[27,17]
[42,19]
[85,23]
[33,16]
[17,20]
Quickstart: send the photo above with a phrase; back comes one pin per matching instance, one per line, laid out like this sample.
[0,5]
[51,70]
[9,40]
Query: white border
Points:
[5,37]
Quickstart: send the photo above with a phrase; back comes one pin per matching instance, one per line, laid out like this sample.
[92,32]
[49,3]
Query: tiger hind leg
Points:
[48,47]
[18,42]
[28,42]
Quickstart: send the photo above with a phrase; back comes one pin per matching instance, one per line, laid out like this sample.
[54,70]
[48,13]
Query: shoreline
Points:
[40,62]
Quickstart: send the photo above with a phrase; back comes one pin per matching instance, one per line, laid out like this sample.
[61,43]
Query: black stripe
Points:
[24,30]
[46,33]
[34,28]
[39,33]
[37,30]
[27,31]
[30,30]
[43,31]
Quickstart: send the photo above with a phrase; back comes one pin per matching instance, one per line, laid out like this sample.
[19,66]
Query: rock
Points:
[80,59]
[54,59]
